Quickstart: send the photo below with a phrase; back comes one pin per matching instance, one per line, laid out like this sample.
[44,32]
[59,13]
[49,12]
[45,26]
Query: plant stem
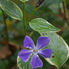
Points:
[24,18]
[66,17]
[5,26]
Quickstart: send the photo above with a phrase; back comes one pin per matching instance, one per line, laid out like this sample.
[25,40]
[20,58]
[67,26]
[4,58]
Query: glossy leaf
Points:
[59,47]
[42,25]
[23,0]
[11,9]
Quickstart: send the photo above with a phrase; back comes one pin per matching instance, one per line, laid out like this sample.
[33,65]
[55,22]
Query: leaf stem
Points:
[24,18]
[65,12]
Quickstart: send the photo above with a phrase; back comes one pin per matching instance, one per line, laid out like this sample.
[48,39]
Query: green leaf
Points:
[50,2]
[11,9]
[23,0]
[59,47]
[42,25]
[0,12]
[23,65]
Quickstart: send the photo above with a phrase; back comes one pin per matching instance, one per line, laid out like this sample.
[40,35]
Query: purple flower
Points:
[25,54]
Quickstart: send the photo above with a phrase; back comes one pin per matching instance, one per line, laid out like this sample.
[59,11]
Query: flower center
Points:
[34,50]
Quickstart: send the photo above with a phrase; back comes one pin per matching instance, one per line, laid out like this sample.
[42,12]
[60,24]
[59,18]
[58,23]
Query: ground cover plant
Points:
[34,34]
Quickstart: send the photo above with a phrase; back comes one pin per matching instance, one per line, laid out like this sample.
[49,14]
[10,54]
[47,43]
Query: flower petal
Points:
[46,53]
[28,42]
[25,54]
[42,42]
[36,62]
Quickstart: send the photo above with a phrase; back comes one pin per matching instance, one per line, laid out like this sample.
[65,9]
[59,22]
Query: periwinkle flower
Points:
[25,54]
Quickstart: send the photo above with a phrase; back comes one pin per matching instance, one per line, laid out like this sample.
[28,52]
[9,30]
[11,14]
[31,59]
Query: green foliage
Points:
[11,9]
[42,25]
[0,12]
[59,47]
[48,10]
[65,35]
[50,2]
[23,0]
[57,44]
